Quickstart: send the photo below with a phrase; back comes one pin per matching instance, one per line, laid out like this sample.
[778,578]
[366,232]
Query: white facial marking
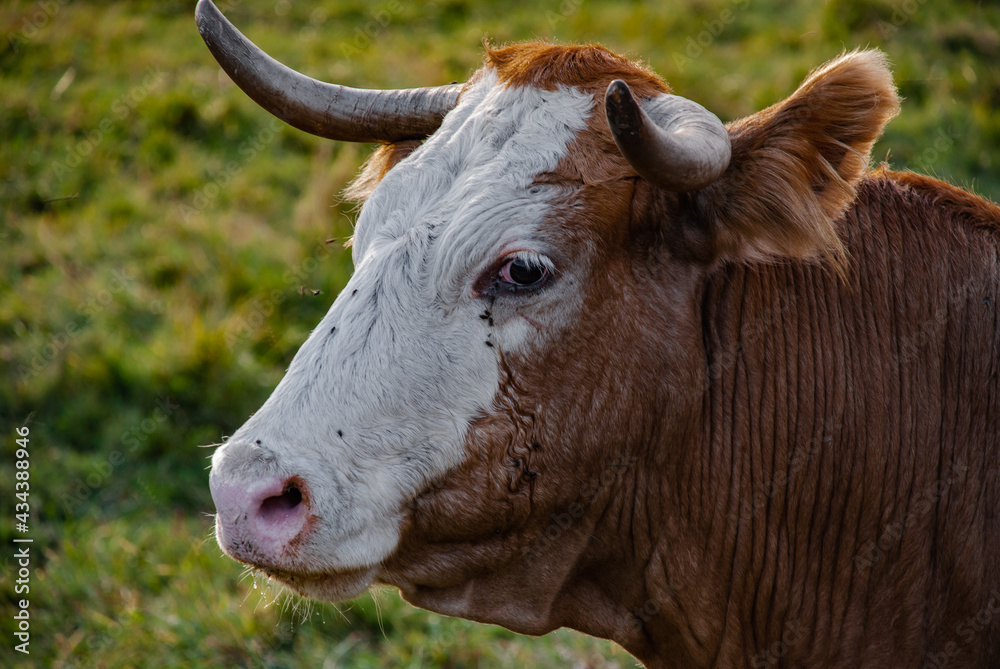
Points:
[378,400]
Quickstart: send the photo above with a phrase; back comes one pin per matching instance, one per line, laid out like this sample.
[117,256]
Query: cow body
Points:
[749,422]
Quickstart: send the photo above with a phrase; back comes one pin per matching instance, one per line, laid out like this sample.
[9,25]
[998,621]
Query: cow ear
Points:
[383,159]
[795,165]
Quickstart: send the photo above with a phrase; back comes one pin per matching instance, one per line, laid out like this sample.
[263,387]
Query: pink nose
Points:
[257,519]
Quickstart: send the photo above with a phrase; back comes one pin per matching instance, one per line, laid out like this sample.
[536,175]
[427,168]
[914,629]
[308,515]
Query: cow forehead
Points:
[473,176]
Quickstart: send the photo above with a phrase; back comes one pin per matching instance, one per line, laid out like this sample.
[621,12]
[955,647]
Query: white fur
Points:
[408,368]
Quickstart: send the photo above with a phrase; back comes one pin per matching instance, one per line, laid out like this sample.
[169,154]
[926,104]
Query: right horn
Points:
[687,150]
[327,110]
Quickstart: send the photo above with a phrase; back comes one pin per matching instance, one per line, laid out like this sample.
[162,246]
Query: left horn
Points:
[327,110]
[687,150]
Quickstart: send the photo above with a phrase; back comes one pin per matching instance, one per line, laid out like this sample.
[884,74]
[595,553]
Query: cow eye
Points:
[524,270]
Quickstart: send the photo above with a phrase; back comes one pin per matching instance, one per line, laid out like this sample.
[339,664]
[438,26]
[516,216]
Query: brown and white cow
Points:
[718,393]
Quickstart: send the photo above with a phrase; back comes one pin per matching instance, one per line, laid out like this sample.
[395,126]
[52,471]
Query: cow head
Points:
[485,415]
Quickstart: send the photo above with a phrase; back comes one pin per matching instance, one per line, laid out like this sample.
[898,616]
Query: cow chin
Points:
[327,587]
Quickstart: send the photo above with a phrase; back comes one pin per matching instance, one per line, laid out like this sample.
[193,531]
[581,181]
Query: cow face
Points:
[461,272]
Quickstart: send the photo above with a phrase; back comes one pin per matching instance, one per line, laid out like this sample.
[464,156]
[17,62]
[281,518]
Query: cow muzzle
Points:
[269,517]
[261,521]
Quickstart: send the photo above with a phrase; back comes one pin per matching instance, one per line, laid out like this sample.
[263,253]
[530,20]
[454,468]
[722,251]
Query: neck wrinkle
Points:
[765,412]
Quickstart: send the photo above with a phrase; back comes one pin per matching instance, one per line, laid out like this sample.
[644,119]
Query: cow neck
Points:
[810,476]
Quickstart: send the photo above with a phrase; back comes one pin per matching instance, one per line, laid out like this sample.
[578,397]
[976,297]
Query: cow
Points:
[722,393]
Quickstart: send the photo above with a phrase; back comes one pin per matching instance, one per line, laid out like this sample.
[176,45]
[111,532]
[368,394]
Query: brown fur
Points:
[588,67]
[736,458]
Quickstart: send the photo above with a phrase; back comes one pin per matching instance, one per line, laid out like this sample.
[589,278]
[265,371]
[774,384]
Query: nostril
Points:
[280,507]
[259,519]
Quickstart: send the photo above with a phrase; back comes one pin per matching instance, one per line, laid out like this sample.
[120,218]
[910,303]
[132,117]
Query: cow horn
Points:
[327,110]
[687,149]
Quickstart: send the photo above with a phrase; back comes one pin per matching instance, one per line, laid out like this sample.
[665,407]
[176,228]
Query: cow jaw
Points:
[315,488]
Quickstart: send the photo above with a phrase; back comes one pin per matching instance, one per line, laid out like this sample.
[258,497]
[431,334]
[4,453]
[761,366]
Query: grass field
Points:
[161,239]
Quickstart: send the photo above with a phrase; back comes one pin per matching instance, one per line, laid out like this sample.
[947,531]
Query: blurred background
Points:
[165,248]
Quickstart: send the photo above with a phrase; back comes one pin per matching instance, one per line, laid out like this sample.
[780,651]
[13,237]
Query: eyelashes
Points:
[524,270]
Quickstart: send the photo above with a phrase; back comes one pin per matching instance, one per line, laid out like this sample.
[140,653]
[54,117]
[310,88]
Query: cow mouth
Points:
[327,586]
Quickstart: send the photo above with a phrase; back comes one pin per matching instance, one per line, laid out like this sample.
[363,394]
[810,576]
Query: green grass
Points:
[160,594]
[161,238]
